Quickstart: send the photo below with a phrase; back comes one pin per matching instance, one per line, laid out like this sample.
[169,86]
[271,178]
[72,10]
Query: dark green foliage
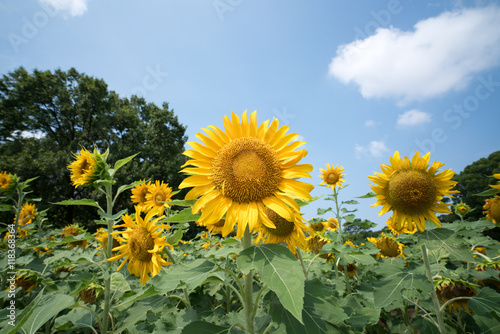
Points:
[46,117]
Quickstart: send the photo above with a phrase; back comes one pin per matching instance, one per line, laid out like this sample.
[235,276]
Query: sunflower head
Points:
[217,227]
[352,270]
[88,167]
[27,214]
[448,288]
[289,231]
[91,293]
[496,186]
[8,182]
[242,171]
[74,230]
[28,279]
[139,194]
[406,228]
[159,193]
[141,244]
[413,190]
[102,236]
[388,246]
[461,209]
[315,243]
[492,209]
[332,176]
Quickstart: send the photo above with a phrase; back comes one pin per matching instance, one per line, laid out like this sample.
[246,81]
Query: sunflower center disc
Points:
[411,191]
[143,194]
[388,247]
[494,210]
[247,170]
[332,178]
[283,227]
[159,198]
[84,166]
[140,241]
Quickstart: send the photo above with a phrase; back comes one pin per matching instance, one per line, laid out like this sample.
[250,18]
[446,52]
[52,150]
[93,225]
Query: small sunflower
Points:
[27,214]
[102,236]
[139,194]
[388,246]
[352,269]
[492,209]
[91,293]
[86,168]
[448,288]
[28,279]
[7,181]
[74,230]
[332,176]
[406,228]
[461,209]
[331,225]
[159,194]
[142,244]
[244,169]
[413,192]
[289,231]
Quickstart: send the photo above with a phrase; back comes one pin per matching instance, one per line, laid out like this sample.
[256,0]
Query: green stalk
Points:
[109,254]
[299,255]
[246,241]
[435,301]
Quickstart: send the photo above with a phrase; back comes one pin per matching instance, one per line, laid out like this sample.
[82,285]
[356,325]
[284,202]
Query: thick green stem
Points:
[109,254]
[299,255]
[246,241]
[435,301]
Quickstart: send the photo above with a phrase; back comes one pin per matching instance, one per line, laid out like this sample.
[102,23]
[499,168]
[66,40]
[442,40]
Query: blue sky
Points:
[357,80]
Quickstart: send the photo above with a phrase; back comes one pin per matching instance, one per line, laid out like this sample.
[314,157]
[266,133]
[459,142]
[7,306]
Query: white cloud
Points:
[413,117]
[72,7]
[374,149]
[439,55]
[371,123]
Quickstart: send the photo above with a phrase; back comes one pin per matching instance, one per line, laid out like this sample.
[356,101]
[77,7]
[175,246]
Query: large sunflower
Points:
[86,168]
[492,209]
[411,191]
[159,193]
[141,244]
[289,231]
[332,176]
[244,169]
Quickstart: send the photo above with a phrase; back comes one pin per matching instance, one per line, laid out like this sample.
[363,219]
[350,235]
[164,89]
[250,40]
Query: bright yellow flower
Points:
[244,169]
[331,225]
[492,209]
[5,180]
[332,176]
[496,186]
[289,231]
[413,192]
[27,214]
[159,194]
[406,228]
[142,244]
[102,236]
[388,246]
[139,194]
[85,169]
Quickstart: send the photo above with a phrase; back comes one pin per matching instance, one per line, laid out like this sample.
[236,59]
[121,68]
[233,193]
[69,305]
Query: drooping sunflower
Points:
[492,209]
[244,169]
[289,231]
[159,194]
[406,228]
[139,194]
[332,176]
[86,168]
[74,230]
[449,288]
[142,244]
[388,246]
[413,192]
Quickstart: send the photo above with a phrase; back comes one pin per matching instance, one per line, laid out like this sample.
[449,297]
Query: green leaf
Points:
[39,311]
[323,211]
[138,312]
[202,327]
[128,186]
[485,302]
[304,203]
[77,317]
[368,195]
[83,201]
[280,271]
[489,192]
[122,162]
[183,217]
[174,238]
[7,207]
[191,275]
[349,218]
[179,202]
[350,202]
[448,240]
[125,303]
[119,283]
[112,217]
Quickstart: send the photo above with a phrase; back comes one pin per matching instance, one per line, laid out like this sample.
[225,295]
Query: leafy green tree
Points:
[473,180]
[46,117]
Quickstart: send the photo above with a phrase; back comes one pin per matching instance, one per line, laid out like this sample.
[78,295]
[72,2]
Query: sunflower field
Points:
[258,266]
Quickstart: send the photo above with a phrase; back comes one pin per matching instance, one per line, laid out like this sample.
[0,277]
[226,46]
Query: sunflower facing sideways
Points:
[243,170]
[86,168]
[413,192]
[141,244]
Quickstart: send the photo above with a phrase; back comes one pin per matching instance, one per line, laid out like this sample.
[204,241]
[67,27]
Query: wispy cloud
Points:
[371,123]
[71,7]
[413,117]
[374,149]
[440,54]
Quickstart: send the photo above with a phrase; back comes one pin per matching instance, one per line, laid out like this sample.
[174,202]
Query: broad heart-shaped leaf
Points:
[389,289]
[83,201]
[77,317]
[138,311]
[183,217]
[360,312]
[38,312]
[191,275]
[448,240]
[486,308]
[279,270]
